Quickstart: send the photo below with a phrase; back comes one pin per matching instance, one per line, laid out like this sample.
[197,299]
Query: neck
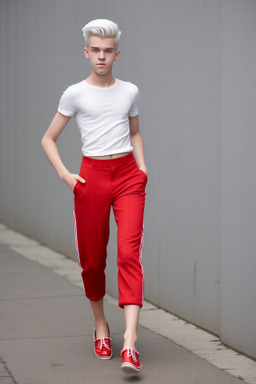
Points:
[100,81]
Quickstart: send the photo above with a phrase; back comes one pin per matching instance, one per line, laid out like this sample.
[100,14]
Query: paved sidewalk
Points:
[46,329]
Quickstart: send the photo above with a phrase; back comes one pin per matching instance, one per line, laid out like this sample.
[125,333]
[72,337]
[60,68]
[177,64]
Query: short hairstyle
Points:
[102,28]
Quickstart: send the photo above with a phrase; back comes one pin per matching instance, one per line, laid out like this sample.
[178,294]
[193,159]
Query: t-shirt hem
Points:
[133,114]
[107,153]
[65,113]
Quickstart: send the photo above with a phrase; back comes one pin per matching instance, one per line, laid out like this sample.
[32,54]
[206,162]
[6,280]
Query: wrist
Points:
[63,174]
[143,168]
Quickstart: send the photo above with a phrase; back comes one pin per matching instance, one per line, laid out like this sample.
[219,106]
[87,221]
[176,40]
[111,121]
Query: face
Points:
[102,53]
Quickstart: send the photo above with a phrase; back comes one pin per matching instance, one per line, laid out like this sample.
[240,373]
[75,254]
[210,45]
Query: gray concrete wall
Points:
[238,208]
[194,62]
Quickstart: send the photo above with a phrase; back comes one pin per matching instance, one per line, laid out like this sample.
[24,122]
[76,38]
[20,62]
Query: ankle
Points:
[130,341]
[101,328]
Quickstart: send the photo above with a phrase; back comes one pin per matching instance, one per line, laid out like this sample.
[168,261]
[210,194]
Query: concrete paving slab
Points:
[44,317]
[5,376]
[71,360]
[6,380]
[19,279]
[3,371]
[58,263]
[46,329]
[11,238]
[11,263]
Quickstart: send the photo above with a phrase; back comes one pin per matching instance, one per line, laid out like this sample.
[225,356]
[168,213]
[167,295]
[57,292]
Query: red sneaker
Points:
[130,361]
[102,346]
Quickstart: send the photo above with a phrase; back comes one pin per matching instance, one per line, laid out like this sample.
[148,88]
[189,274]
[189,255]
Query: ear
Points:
[86,52]
[117,55]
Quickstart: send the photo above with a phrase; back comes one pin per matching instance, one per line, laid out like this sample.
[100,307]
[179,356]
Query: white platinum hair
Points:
[102,28]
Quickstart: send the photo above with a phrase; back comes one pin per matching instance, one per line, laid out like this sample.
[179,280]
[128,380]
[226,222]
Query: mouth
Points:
[101,64]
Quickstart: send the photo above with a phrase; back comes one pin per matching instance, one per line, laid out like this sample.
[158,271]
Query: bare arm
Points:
[137,143]
[57,125]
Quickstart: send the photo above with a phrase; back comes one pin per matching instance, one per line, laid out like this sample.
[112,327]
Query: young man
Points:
[112,174]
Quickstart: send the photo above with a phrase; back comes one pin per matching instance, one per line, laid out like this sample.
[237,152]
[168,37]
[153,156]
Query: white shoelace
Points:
[131,353]
[102,342]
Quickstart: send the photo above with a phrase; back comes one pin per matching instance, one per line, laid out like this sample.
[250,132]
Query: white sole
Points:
[130,368]
[102,358]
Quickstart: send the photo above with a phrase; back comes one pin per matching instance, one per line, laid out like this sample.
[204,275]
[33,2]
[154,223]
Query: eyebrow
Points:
[103,48]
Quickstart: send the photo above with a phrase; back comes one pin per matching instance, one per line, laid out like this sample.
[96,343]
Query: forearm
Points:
[138,150]
[50,148]
[52,153]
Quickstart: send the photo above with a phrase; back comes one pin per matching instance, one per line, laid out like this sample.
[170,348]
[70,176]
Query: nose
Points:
[102,55]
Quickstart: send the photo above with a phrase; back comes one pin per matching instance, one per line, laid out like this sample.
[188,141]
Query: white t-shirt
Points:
[102,115]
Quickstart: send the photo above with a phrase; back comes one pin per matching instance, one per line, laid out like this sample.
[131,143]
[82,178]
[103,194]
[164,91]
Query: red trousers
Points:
[121,184]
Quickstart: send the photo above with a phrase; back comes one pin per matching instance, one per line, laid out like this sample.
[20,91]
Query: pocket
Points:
[82,173]
[143,173]
[75,187]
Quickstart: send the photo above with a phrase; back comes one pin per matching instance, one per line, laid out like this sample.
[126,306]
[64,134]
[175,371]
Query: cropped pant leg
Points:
[128,206]
[92,206]
[128,212]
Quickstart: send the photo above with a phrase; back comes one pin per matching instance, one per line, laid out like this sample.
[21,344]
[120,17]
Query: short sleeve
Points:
[67,103]
[134,110]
